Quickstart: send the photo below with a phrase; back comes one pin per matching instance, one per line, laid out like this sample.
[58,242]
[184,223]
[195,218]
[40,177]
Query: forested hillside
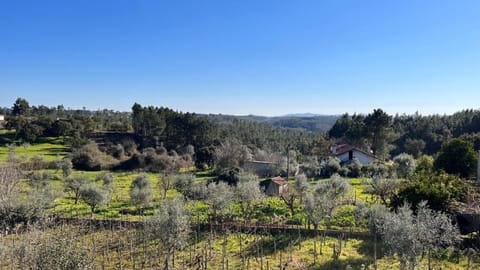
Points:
[321,123]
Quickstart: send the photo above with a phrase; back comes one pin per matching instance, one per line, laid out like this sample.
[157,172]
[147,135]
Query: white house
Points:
[2,117]
[346,153]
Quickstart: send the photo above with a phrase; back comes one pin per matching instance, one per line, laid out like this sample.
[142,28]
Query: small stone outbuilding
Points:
[275,186]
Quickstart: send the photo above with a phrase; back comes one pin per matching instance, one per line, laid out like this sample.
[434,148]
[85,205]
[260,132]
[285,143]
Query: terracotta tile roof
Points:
[344,148]
[279,180]
[258,162]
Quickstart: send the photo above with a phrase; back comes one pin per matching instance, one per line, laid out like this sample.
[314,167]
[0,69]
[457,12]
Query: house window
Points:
[350,155]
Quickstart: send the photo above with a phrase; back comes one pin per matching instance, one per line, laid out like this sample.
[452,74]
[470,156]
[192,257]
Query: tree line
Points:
[416,134]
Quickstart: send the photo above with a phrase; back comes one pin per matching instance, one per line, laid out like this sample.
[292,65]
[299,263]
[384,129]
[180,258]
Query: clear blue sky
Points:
[243,57]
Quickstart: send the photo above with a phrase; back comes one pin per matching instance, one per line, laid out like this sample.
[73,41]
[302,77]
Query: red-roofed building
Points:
[275,186]
[346,153]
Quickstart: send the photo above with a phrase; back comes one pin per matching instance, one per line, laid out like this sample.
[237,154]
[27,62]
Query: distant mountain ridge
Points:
[307,121]
[302,115]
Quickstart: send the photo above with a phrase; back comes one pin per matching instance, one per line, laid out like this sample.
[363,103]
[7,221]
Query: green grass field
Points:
[120,206]
[49,148]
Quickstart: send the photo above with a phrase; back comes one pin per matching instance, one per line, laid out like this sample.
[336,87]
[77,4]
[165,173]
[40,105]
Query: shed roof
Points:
[344,148]
[279,180]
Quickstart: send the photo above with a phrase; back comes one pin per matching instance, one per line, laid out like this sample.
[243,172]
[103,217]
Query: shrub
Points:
[355,168]
[375,170]
[90,158]
[56,251]
[457,157]
[440,190]
[330,166]
[404,165]
[424,164]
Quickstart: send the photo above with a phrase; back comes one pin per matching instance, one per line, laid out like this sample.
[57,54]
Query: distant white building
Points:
[2,117]
[346,153]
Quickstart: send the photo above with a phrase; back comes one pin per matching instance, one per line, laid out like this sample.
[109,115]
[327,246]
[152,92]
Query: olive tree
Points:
[409,235]
[301,185]
[93,196]
[436,230]
[171,226]
[218,197]
[38,180]
[320,204]
[316,213]
[231,154]
[248,194]
[74,185]
[374,218]
[400,236]
[185,184]
[66,166]
[334,193]
[108,181]
[141,192]
[330,166]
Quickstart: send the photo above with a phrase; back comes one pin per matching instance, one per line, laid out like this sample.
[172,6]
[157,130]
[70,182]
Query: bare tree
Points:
[9,180]
[384,188]
[165,183]
[295,193]
[290,197]
[231,154]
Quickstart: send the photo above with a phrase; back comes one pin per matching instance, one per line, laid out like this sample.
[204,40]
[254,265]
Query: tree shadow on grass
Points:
[366,249]
[268,244]
[342,264]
